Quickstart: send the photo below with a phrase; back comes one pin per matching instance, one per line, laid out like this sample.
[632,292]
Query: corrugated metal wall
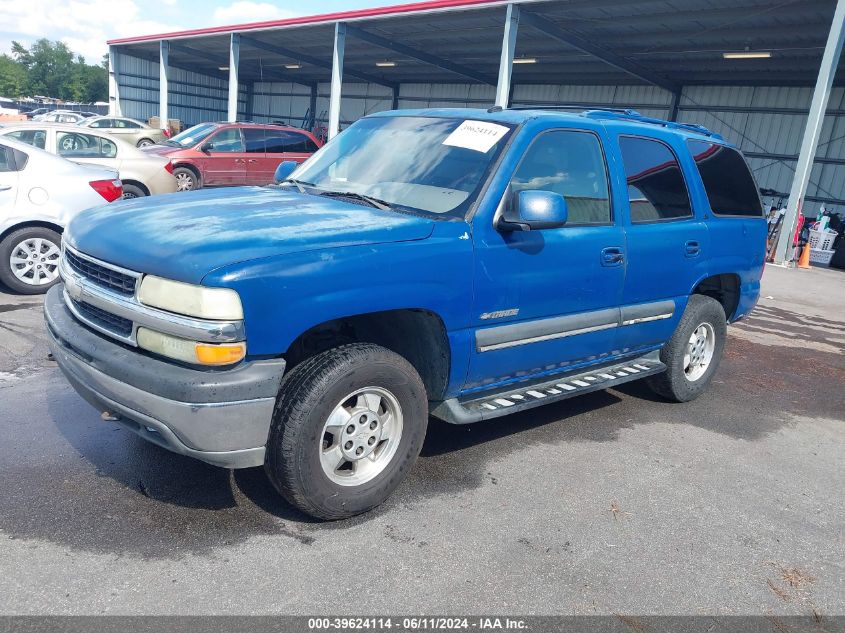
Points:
[193,97]
[765,122]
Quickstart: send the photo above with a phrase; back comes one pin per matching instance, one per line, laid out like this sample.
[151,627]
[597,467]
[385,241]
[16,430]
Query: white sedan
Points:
[39,194]
[142,174]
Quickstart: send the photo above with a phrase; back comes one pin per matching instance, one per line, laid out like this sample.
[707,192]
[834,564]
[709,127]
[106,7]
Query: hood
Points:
[162,150]
[184,236]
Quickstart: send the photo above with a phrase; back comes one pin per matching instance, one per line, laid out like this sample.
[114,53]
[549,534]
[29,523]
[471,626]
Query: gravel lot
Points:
[612,503]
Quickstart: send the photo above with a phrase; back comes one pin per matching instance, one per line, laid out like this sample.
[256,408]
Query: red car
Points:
[225,154]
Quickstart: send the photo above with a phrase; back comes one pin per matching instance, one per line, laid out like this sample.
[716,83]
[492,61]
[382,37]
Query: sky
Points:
[85,25]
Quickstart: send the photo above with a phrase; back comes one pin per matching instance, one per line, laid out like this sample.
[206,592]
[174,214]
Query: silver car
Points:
[136,132]
[142,174]
[60,116]
[39,194]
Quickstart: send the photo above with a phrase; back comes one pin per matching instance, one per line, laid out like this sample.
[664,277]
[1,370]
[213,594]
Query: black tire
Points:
[187,179]
[7,277]
[308,395]
[145,142]
[673,384]
[133,191]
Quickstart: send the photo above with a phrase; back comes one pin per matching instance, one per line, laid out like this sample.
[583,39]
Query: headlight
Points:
[190,351]
[198,301]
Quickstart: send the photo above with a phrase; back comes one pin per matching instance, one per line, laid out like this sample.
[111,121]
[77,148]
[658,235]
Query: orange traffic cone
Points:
[804,260]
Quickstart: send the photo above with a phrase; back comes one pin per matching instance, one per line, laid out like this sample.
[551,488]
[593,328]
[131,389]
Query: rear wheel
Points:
[132,191]
[29,260]
[186,179]
[348,427]
[693,353]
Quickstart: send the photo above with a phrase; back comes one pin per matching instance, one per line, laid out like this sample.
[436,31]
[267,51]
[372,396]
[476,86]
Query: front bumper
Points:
[218,416]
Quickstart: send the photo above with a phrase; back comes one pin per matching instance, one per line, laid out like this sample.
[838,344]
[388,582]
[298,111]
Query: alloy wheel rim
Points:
[361,436]
[35,261]
[699,352]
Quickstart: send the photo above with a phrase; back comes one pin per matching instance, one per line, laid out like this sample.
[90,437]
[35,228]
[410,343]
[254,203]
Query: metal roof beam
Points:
[185,50]
[421,56]
[313,61]
[612,59]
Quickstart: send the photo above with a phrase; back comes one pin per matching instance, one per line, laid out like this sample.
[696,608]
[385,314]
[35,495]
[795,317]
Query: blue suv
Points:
[464,264]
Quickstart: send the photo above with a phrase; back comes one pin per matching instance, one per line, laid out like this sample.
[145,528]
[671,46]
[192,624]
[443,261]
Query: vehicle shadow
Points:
[133,497]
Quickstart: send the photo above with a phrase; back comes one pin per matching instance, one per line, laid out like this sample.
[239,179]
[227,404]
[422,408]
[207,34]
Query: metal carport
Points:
[666,58]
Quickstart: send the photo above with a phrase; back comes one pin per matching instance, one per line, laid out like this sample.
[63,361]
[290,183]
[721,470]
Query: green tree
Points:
[51,69]
[12,77]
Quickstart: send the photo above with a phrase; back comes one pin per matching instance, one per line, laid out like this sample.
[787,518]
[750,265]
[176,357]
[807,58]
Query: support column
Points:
[163,78]
[675,104]
[114,83]
[394,103]
[337,79]
[234,58]
[250,100]
[812,131]
[312,108]
[503,86]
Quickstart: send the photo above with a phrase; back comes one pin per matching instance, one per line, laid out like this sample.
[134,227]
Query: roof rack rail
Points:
[578,108]
[600,112]
[633,115]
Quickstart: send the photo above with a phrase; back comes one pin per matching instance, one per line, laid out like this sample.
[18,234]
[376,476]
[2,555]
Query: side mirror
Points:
[285,169]
[533,210]
[207,147]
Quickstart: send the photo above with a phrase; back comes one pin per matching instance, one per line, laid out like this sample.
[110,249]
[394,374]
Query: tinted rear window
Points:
[727,180]
[282,141]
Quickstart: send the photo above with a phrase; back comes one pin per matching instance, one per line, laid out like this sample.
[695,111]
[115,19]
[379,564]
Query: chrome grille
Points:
[105,320]
[100,275]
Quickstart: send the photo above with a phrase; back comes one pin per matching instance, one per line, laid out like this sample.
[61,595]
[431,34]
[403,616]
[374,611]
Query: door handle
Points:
[612,256]
[253,160]
[692,248]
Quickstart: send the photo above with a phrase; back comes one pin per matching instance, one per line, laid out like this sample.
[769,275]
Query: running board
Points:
[528,395]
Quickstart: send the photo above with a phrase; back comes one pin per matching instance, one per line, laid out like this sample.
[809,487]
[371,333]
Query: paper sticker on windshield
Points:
[476,135]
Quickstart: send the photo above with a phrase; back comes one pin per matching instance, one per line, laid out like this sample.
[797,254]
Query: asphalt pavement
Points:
[615,502]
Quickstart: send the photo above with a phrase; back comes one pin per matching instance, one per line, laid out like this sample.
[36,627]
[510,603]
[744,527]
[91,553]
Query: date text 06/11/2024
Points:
[417,623]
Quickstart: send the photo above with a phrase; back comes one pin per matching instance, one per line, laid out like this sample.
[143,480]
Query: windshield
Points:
[418,164]
[192,135]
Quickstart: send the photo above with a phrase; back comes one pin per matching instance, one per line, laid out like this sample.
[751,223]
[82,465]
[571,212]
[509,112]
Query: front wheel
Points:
[348,426]
[29,260]
[694,351]
[186,179]
[145,142]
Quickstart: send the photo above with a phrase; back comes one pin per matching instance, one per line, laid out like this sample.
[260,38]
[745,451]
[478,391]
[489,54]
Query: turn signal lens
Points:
[223,354]
[190,351]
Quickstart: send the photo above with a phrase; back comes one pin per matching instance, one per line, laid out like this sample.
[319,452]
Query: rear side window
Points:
[727,180]
[656,186]
[12,159]
[282,141]
[77,145]
[254,139]
[7,159]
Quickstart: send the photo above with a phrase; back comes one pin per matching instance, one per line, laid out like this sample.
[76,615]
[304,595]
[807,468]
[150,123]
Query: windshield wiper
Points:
[373,202]
[299,184]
